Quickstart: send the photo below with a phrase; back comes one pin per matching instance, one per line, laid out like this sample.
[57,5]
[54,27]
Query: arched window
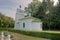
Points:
[23,25]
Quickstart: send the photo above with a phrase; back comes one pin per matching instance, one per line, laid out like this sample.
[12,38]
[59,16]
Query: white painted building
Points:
[26,23]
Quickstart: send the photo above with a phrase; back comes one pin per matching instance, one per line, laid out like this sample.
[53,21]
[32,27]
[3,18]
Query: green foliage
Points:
[52,36]
[47,12]
[5,21]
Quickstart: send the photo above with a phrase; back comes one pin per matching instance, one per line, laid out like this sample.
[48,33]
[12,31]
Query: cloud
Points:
[23,3]
[8,12]
[8,7]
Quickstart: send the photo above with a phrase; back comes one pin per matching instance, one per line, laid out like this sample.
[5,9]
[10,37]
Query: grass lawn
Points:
[18,34]
[48,31]
[24,37]
[51,31]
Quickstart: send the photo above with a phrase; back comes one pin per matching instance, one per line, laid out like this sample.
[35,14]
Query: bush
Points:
[53,36]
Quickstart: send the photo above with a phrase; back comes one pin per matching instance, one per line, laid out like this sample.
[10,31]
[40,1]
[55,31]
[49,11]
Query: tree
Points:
[58,15]
[35,6]
[47,12]
[6,21]
[49,9]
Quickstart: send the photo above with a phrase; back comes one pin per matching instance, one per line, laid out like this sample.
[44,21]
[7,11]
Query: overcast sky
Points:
[8,7]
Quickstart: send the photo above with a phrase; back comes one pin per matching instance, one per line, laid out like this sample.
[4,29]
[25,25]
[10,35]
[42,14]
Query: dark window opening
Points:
[23,25]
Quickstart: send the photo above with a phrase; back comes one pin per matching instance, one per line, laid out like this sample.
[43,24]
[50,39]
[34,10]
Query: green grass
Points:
[48,31]
[17,36]
[54,35]
[25,37]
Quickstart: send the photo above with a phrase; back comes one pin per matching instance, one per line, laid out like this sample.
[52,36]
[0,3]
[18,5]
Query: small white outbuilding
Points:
[23,22]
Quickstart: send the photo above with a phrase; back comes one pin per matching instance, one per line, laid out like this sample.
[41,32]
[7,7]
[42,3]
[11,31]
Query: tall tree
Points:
[45,11]
[6,21]
[35,6]
[58,15]
[48,12]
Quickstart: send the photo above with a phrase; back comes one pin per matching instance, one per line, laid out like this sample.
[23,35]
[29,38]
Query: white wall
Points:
[36,26]
[19,15]
[27,24]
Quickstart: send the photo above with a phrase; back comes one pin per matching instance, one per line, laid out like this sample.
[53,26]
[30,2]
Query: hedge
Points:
[52,36]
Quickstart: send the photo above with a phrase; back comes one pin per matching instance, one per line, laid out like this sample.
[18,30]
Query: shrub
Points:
[53,36]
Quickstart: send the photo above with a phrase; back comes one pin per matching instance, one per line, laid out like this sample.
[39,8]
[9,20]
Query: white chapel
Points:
[23,22]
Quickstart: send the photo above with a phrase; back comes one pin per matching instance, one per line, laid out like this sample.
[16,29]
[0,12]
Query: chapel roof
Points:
[33,19]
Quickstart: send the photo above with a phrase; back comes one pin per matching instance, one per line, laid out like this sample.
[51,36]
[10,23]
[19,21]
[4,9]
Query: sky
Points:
[8,7]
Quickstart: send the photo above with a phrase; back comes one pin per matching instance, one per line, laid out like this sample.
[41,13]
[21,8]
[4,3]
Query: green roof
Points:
[36,20]
[33,19]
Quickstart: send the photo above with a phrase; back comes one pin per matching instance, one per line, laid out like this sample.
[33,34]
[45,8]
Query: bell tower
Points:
[19,15]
